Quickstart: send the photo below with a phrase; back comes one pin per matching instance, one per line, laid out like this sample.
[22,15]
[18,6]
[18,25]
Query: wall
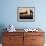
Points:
[8,13]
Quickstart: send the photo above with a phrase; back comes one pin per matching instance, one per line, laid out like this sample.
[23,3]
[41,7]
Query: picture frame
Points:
[26,14]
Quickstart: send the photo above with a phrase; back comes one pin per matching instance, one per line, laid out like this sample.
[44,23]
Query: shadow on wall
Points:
[2,27]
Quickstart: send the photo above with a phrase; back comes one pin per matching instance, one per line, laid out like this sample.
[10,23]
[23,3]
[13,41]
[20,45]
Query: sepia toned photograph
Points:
[25,13]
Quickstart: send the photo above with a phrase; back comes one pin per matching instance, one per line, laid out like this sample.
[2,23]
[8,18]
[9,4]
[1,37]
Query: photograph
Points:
[25,13]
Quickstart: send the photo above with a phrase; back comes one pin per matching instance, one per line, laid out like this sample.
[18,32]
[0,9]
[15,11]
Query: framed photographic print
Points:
[25,14]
